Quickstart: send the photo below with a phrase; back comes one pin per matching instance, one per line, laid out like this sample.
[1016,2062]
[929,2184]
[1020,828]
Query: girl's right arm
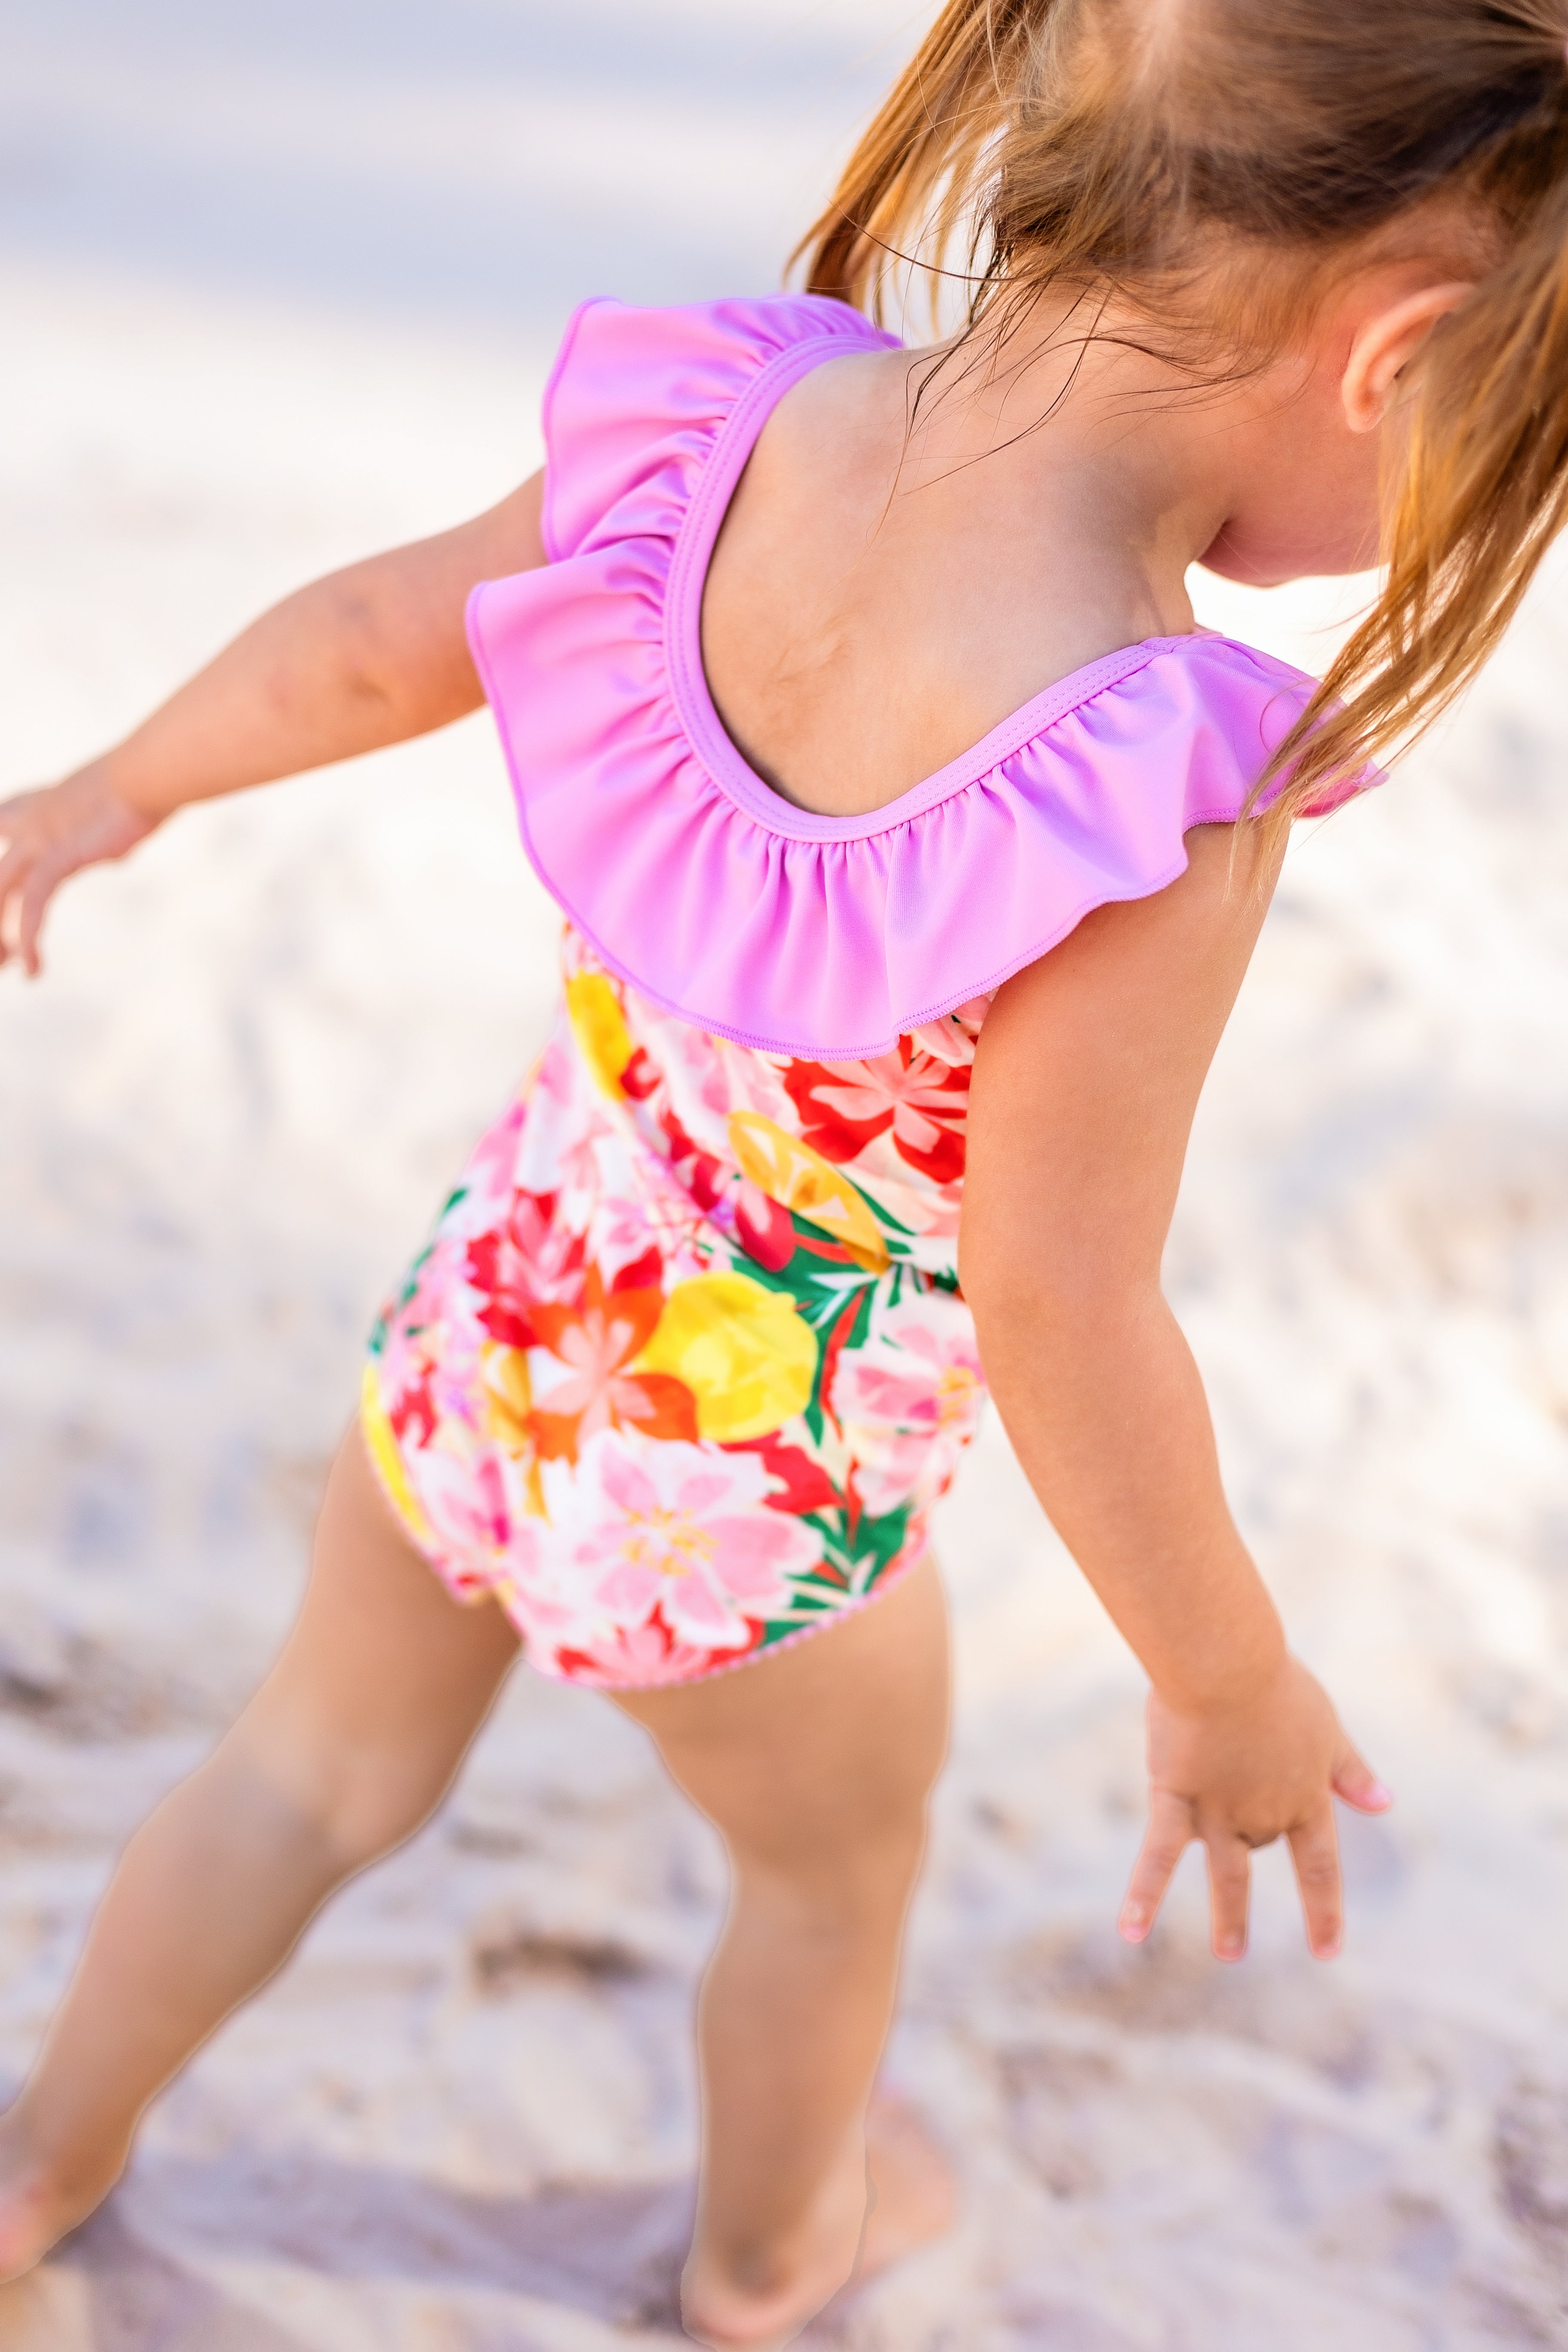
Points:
[364,657]
[1086,1079]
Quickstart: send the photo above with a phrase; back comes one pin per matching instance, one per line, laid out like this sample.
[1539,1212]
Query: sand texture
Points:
[280,285]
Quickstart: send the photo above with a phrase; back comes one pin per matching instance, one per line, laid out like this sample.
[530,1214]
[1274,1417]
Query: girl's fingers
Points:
[1315,1851]
[37,892]
[14,869]
[1358,1785]
[1166,1838]
[14,864]
[1230,1885]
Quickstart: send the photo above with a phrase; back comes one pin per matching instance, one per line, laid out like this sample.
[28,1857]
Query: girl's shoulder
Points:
[637,395]
[717,899]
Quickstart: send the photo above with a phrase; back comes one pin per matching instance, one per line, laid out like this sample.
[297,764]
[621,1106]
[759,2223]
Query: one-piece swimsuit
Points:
[686,1363]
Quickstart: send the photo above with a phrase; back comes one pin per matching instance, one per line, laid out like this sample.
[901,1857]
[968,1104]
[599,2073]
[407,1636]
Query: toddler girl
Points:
[912,843]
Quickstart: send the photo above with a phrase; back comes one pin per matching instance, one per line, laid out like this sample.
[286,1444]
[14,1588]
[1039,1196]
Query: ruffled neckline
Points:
[695,540]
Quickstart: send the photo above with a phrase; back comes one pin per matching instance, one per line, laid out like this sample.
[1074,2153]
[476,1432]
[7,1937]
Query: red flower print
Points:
[413,1410]
[833,1348]
[697,1171]
[644,1273]
[645,1656]
[844,1105]
[641,1077]
[803,1484]
[766,1230]
[510,1265]
[595,1339]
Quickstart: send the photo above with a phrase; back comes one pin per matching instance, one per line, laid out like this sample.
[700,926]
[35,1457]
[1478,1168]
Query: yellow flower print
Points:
[600,1028]
[509,1397]
[748,1358]
[381,1443]
[507,1402]
[798,1178]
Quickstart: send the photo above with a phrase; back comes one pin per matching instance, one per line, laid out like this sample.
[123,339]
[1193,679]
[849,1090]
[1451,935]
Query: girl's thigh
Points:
[385,1679]
[831,1745]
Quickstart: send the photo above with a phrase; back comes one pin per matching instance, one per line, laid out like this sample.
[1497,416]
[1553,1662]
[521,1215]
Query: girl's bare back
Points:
[897,574]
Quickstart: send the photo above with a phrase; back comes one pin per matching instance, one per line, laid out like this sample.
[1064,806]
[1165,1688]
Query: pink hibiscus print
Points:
[576,1161]
[465,1500]
[557,1071]
[908,1399]
[920,1370]
[685,1531]
[491,1172]
[952,1038]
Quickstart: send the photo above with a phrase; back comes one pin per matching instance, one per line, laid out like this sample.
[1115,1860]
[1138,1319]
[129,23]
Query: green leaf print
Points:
[855,1552]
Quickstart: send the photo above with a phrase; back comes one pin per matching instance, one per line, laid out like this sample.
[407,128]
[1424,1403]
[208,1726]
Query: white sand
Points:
[279,285]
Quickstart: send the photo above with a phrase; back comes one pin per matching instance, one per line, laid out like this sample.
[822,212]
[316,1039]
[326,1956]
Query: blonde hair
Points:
[1213,163]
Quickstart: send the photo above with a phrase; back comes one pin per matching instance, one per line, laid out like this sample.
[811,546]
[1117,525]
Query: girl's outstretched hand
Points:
[1239,1775]
[51,835]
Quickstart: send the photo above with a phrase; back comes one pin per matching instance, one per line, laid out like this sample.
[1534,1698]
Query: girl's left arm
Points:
[1086,1081]
[367,657]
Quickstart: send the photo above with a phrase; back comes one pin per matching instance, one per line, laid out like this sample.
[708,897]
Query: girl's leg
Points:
[344,1750]
[815,1766]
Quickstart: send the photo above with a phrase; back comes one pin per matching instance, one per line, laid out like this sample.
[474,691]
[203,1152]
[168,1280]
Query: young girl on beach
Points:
[912,843]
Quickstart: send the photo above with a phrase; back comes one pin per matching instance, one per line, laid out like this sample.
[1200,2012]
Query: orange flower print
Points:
[924,1101]
[596,1340]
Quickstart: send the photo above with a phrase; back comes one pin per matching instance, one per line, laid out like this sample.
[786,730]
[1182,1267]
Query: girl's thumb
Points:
[1357,1783]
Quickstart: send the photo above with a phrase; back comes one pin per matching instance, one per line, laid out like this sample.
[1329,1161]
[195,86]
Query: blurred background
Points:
[281,285]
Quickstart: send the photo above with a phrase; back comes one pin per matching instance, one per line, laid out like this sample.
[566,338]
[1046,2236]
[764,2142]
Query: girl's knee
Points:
[865,1856]
[374,1806]
[856,1912]
[354,1799]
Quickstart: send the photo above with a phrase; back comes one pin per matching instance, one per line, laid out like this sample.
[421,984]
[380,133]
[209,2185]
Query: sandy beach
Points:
[281,286]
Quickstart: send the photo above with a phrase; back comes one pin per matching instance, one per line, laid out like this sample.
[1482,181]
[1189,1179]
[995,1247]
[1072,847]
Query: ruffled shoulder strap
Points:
[825,938]
[635,397]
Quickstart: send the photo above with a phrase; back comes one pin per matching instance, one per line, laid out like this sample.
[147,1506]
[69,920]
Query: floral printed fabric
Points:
[685,1364]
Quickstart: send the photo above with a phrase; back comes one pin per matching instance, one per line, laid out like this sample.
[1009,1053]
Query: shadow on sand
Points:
[614,2253]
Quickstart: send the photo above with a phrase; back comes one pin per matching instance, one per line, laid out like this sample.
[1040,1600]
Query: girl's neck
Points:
[1058,408]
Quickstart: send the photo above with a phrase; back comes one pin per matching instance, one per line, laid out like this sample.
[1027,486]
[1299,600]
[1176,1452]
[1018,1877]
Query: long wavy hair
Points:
[1214,165]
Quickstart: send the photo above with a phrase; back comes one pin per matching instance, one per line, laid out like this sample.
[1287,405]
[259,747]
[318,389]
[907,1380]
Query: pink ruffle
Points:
[819,937]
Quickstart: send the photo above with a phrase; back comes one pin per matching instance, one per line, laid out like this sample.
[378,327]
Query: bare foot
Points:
[913,2195]
[849,2238]
[39,2204]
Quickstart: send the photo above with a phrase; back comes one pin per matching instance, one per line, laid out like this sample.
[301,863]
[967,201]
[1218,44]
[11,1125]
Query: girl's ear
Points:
[1385,345]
